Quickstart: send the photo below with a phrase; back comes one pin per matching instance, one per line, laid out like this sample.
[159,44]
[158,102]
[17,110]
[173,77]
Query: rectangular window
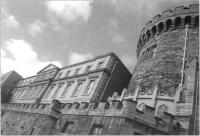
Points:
[96,129]
[67,74]
[76,71]
[87,69]
[65,91]
[56,92]
[48,92]
[39,92]
[44,76]
[89,87]
[67,127]
[77,89]
[21,94]
[100,65]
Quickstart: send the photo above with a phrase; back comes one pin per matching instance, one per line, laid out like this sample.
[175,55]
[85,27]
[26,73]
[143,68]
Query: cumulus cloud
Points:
[70,10]
[8,20]
[129,61]
[76,57]
[36,27]
[24,59]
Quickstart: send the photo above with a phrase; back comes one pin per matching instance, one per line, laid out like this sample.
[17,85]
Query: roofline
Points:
[46,67]
[27,77]
[89,60]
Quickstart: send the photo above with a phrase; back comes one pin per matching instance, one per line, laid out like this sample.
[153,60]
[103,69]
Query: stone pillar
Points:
[136,93]
[153,100]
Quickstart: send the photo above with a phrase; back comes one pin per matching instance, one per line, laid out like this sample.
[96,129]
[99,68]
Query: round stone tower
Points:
[167,50]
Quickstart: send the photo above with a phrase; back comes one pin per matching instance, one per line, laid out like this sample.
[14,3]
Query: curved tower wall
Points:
[157,74]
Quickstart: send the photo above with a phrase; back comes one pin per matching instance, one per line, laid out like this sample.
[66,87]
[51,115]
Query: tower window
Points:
[96,129]
[196,23]
[160,27]
[177,22]
[168,24]
[154,30]
[56,92]
[188,20]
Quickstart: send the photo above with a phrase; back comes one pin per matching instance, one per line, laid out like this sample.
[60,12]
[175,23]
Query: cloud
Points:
[113,29]
[24,59]
[70,10]
[76,57]
[36,27]
[129,61]
[8,20]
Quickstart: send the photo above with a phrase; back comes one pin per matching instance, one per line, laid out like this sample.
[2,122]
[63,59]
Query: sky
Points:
[35,33]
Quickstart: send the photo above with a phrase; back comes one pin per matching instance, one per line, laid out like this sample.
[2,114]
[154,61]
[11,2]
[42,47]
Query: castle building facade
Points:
[100,97]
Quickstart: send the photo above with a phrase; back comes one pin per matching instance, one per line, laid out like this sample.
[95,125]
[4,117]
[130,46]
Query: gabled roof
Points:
[48,67]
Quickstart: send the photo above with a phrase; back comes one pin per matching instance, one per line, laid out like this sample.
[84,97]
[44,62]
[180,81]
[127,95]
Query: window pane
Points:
[56,92]
[89,87]
[48,92]
[65,91]
[77,89]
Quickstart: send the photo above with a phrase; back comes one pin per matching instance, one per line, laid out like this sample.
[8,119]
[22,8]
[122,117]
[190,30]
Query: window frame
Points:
[96,129]
[67,126]
[77,89]
[46,95]
[66,90]
[89,87]
[56,92]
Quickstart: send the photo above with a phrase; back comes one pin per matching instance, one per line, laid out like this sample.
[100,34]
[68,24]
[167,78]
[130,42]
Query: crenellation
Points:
[172,14]
[92,96]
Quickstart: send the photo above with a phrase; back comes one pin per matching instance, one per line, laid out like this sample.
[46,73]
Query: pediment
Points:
[47,68]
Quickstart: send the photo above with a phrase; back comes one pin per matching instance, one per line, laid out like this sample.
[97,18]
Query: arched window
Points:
[162,108]
[196,23]
[141,107]
[153,30]
[177,22]
[148,35]
[188,20]
[168,24]
[160,27]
